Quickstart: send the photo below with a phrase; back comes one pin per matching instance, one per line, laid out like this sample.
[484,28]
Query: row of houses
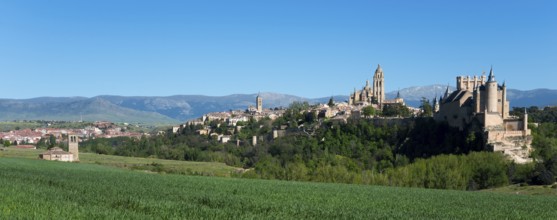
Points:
[33,136]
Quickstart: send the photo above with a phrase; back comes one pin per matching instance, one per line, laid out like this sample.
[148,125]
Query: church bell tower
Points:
[379,85]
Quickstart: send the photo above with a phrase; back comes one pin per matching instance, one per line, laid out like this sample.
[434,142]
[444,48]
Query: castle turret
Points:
[491,90]
[378,85]
[446,92]
[504,107]
[477,100]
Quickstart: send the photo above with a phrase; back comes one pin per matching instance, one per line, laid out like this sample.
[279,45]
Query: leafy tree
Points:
[542,176]
[427,110]
[397,109]
[42,143]
[51,141]
[368,111]
[331,102]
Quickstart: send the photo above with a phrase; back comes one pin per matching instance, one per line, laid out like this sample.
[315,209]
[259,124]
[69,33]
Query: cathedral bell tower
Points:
[379,85]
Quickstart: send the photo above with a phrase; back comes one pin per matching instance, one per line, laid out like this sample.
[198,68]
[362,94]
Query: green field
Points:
[37,189]
[137,163]
[526,190]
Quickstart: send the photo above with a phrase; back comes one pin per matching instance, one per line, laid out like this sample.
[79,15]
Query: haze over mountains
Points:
[180,108]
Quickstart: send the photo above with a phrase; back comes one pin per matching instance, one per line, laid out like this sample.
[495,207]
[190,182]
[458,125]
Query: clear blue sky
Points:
[304,48]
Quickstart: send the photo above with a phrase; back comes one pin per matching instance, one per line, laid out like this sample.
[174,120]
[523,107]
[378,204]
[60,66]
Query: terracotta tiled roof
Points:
[55,150]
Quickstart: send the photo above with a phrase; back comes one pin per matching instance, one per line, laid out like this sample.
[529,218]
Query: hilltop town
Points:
[478,103]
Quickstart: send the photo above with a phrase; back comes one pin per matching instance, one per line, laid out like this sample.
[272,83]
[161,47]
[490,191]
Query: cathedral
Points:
[485,102]
[370,95]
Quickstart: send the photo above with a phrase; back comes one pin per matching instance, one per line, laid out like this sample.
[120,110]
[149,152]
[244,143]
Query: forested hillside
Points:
[403,152]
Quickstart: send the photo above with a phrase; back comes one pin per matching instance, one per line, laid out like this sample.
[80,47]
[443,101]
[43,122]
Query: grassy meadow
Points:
[36,189]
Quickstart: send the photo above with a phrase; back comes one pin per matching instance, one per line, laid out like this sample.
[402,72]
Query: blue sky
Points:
[304,48]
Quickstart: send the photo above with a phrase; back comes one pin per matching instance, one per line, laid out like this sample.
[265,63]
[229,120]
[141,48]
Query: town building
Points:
[58,154]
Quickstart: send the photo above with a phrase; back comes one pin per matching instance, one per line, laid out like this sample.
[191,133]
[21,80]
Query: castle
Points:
[485,102]
[373,95]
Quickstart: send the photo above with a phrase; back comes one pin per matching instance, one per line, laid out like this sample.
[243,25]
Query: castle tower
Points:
[379,85]
[259,102]
[73,143]
[491,90]
[477,101]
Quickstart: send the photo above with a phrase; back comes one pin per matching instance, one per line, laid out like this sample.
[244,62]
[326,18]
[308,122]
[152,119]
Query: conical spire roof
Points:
[491,77]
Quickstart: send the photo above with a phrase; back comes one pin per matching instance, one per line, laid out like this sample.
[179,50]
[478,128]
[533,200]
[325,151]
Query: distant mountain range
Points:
[180,108]
[518,98]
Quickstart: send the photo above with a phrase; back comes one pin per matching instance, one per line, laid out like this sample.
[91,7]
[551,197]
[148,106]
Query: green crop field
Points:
[36,189]
[136,163]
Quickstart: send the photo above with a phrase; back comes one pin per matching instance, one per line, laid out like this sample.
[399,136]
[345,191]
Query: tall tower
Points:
[491,90]
[73,143]
[379,85]
[525,120]
[259,102]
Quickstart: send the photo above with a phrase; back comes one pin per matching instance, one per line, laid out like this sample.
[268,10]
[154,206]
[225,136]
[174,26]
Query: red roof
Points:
[26,147]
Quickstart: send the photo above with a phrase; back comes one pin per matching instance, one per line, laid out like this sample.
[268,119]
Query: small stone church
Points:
[59,154]
[485,102]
